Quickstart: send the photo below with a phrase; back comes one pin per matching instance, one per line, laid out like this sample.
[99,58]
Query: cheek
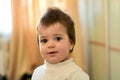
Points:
[42,51]
[64,48]
[42,48]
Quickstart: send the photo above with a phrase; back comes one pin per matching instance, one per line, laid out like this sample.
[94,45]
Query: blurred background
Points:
[97,25]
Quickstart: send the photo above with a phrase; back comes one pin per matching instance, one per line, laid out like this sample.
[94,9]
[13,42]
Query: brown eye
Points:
[43,41]
[58,38]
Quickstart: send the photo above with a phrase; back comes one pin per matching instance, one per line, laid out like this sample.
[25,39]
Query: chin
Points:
[53,62]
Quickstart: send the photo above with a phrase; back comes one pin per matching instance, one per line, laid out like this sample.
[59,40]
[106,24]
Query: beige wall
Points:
[102,19]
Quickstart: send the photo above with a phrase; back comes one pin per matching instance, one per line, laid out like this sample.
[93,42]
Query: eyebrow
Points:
[42,37]
[58,35]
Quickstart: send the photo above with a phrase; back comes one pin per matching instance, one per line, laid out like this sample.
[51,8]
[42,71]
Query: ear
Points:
[71,45]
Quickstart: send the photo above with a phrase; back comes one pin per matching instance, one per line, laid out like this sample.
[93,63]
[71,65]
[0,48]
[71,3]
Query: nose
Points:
[50,44]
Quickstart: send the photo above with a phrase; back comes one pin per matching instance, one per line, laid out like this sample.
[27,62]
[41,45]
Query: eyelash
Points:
[43,41]
[56,39]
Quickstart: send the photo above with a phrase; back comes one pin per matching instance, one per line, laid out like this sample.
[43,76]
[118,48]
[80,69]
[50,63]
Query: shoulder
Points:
[39,71]
[77,73]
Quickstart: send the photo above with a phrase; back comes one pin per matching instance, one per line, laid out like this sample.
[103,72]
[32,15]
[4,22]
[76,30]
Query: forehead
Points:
[56,27]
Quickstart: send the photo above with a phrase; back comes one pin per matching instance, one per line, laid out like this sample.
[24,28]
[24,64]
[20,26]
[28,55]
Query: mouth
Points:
[53,52]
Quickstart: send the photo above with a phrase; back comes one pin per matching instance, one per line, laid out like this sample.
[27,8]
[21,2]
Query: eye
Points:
[43,41]
[58,38]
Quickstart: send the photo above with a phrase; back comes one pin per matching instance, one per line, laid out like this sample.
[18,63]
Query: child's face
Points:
[55,45]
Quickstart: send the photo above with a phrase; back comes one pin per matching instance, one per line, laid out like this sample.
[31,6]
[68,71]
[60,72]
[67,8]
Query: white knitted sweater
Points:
[66,70]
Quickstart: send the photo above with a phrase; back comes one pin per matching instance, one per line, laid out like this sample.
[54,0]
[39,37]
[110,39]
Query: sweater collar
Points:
[49,65]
